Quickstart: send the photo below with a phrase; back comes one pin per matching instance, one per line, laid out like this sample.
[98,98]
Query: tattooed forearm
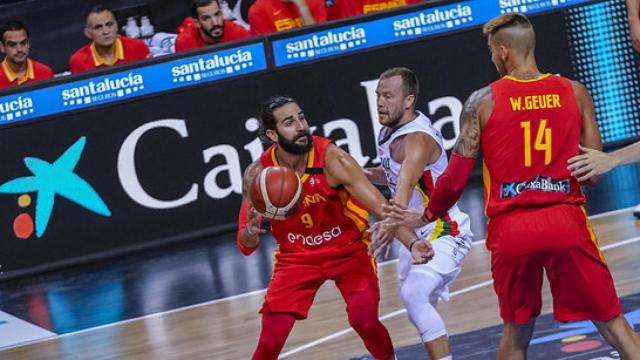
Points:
[468,143]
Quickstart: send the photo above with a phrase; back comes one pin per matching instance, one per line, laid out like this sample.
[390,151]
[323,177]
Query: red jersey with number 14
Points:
[329,223]
[534,129]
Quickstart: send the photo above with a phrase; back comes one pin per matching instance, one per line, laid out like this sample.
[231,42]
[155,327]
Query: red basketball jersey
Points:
[534,129]
[328,224]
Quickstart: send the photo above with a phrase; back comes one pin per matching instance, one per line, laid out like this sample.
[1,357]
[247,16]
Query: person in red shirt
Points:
[107,48]
[17,67]
[268,16]
[370,6]
[207,26]
[528,125]
[325,239]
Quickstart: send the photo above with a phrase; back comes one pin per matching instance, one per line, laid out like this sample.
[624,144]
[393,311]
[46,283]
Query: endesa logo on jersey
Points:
[101,89]
[431,20]
[523,6]
[16,108]
[540,183]
[315,240]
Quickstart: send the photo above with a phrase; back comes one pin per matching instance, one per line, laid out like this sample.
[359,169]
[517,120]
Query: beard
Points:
[292,147]
[392,120]
[214,28]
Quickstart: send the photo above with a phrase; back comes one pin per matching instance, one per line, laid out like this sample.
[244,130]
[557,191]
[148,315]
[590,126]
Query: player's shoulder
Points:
[480,97]
[253,168]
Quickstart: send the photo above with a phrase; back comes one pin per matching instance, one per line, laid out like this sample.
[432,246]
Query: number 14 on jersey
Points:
[542,143]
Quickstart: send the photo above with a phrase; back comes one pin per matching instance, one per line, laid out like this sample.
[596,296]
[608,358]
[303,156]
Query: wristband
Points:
[413,242]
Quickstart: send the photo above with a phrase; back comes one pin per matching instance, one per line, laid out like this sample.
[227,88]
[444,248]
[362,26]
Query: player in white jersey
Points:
[413,157]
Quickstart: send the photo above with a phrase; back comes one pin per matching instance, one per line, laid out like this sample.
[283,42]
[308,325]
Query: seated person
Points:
[207,26]
[268,16]
[107,48]
[17,67]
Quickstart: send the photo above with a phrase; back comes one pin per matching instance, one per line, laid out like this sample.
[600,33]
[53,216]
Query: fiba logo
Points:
[107,88]
[15,109]
[437,19]
[332,41]
[216,65]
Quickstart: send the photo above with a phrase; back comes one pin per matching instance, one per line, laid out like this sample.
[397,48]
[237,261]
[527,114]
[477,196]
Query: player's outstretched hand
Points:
[422,252]
[254,222]
[403,215]
[590,163]
[382,233]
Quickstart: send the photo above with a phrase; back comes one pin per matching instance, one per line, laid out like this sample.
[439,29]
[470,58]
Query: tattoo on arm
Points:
[468,143]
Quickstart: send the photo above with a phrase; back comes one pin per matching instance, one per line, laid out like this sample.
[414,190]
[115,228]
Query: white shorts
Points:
[449,252]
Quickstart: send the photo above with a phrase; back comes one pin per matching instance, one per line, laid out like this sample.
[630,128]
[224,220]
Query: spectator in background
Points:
[17,68]
[107,48]
[208,26]
[339,9]
[370,6]
[268,16]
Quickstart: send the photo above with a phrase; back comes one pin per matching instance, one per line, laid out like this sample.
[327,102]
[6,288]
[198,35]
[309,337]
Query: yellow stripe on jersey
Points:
[310,159]
[486,178]
[357,214]
[526,81]
[425,198]
[437,230]
[374,265]
[592,235]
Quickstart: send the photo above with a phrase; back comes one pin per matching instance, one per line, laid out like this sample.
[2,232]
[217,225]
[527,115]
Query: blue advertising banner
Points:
[389,30]
[133,83]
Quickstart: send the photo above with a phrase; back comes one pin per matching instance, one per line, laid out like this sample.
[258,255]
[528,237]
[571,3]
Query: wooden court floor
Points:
[229,328]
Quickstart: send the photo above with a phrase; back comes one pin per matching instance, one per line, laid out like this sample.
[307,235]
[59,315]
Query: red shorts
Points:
[581,284]
[294,286]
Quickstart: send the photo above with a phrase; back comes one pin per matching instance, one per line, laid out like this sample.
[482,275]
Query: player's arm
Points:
[249,220]
[633,13]
[590,135]
[451,183]
[419,150]
[342,170]
[375,175]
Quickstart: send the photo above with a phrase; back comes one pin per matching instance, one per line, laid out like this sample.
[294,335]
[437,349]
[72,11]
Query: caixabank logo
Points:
[325,43]
[206,67]
[98,90]
[433,20]
[14,109]
[48,182]
[524,6]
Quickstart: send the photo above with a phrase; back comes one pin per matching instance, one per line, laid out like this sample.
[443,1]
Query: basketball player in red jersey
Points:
[528,125]
[325,239]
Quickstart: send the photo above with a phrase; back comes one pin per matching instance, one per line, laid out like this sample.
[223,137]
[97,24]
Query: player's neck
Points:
[527,70]
[18,69]
[407,117]
[293,161]
[108,53]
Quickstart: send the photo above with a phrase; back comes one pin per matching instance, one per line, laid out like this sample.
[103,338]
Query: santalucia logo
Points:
[225,63]
[106,88]
[354,34]
[51,181]
[16,108]
[511,3]
[460,13]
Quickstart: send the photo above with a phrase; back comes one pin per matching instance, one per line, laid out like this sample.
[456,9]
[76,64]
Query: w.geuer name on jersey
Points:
[433,17]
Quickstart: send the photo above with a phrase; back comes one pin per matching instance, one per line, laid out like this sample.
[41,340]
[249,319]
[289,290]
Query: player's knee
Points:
[363,321]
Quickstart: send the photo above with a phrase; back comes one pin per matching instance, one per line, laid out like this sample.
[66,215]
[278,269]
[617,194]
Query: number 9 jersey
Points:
[534,129]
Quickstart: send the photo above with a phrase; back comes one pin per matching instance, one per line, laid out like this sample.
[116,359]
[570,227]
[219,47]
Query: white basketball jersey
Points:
[454,223]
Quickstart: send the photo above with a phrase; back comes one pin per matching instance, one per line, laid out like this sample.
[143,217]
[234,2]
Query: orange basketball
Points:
[276,192]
